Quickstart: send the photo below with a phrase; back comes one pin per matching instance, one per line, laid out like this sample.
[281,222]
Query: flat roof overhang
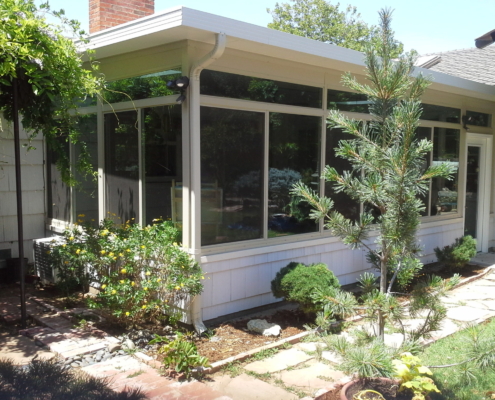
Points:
[182,23]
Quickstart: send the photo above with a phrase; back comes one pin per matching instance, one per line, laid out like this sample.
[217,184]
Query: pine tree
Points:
[387,159]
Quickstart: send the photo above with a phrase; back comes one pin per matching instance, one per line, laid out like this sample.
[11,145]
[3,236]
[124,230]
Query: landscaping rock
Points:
[129,345]
[112,347]
[264,327]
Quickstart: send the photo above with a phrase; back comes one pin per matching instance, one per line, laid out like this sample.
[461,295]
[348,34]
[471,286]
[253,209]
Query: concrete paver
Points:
[21,349]
[466,314]
[310,378]
[246,387]
[279,362]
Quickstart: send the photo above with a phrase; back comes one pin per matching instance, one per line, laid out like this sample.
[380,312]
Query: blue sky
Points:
[425,25]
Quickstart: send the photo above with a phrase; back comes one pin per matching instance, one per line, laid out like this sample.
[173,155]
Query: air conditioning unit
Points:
[42,263]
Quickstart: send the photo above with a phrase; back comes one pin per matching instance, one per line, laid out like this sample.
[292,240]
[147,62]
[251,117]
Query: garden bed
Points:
[228,339]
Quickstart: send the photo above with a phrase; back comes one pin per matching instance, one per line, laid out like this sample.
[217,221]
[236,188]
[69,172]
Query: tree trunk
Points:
[383,289]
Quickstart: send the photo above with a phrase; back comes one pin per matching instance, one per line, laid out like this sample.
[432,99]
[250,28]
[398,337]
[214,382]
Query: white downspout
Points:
[195,167]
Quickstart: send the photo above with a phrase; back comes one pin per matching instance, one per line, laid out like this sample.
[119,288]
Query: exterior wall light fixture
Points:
[182,84]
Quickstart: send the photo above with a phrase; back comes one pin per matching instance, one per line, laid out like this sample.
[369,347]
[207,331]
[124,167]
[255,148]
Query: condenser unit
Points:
[42,263]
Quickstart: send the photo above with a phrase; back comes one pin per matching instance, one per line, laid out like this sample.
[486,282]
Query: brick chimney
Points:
[105,14]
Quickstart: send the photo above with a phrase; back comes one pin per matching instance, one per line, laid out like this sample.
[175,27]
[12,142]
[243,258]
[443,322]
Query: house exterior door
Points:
[477,195]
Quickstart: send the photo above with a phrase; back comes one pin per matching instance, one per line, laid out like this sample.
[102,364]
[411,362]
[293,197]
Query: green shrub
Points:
[458,254]
[45,379]
[142,272]
[298,282]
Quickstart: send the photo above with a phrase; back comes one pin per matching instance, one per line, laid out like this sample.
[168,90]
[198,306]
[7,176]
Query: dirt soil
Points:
[232,337]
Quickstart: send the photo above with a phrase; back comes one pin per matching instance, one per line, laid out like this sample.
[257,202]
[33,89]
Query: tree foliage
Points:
[387,164]
[323,21]
[48,69]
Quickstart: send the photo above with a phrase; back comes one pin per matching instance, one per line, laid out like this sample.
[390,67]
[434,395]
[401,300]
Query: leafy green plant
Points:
[412,375]
[182,356]
[141,272]
[458,254]
[297,282]
[45,379]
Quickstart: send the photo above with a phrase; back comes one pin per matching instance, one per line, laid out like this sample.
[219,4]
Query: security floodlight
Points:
[182,82]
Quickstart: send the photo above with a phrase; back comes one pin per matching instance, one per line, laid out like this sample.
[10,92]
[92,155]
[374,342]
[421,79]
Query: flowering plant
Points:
[141,273]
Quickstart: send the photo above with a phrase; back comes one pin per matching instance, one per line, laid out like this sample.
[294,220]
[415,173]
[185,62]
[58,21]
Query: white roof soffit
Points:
[182,23]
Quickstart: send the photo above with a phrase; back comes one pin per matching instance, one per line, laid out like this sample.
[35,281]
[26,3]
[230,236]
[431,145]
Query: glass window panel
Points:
[293,156]
[232,144]
[162,138]
[348,207]
[444,193]
[425,133]
[122,166]
[347,101]
[440,113]
[478,119]
[141,87]
[235,86]
[58,191]
[86,195]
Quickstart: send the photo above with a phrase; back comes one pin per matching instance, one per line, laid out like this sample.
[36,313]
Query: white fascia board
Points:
[182,23]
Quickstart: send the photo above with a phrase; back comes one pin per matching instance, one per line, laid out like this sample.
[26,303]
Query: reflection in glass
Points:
[162,138]
[141,87]
[440,113]
[58,191]
[232,143]
[347,101]
[235,86]
[444,193]
[293,156]
[472,191]
[478,119]
[425,133]
[348,207]
[86,195]
[122,166]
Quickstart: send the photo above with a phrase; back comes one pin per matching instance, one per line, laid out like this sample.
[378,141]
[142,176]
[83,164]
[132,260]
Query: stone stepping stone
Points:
[279,362]
[466,314]
[245,387]
[309,346]
[308,378]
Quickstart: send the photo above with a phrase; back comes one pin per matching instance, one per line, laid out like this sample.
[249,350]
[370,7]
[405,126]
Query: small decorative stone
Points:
[128,344]
[75,364]
[264,327]
[112,347]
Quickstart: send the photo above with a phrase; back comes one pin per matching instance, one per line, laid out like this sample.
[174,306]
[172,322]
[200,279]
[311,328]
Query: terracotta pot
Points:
[349,389]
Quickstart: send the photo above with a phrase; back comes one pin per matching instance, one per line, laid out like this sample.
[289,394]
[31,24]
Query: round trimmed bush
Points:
[297,282]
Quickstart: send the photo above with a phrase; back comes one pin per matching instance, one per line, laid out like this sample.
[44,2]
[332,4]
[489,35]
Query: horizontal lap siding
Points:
[239,281]
[33,196]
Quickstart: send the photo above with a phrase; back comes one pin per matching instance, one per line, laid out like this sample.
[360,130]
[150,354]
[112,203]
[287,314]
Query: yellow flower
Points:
[148,273]
[177,288]
[144,306]
[159,280]
[66,262]
[78,251]
[128,250]
[104,232]
[121,254]
[182,267]
[114,291]
[145,288]
[133,283]
[64,245]
[71,238]
[175,244]
[111,254]
[127,313]
[143,247]
[102,251]
[103,286]
[202,277]
[123,271]
[122,281]
[114,258]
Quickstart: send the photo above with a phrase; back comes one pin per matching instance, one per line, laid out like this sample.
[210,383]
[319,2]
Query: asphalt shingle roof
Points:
[474,64]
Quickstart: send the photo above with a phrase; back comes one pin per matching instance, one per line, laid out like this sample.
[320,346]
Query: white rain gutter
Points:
[195,148]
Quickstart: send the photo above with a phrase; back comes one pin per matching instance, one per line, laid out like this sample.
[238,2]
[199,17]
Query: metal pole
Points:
[20,231]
